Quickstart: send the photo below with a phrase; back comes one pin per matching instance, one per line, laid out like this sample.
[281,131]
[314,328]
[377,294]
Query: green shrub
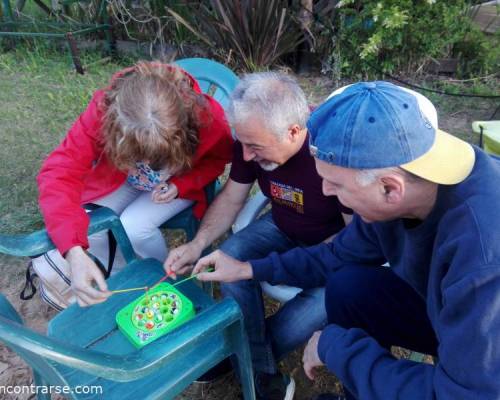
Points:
[478,54]
[257,33]
[402,36]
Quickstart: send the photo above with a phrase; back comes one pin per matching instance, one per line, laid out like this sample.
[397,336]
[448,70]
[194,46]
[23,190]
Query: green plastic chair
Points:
[489,135]
[84,347]
[214,78]
[218,81]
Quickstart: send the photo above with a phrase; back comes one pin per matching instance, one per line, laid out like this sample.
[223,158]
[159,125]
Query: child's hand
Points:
[164,192]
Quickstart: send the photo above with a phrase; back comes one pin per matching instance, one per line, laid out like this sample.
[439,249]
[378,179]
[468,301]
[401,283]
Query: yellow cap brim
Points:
[449,161]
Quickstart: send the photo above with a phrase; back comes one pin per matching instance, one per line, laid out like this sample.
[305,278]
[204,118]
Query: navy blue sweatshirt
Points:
[452,259]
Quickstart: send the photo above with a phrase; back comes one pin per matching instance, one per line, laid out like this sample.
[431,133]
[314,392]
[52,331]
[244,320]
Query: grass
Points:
[40,97]
[476,108]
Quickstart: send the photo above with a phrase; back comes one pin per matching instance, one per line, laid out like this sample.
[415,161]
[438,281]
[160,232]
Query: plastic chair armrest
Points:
[38,242]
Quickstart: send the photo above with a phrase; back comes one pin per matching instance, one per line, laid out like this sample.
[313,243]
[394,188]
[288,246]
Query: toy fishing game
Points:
[161,309]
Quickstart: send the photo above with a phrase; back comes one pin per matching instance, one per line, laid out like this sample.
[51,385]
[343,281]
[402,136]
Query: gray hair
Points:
[365,177]
[275,98]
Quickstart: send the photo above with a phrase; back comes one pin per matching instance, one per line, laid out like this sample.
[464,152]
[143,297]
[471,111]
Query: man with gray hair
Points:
[268,112]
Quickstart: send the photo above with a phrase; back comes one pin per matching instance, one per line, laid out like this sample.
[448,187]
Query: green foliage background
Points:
[404,35]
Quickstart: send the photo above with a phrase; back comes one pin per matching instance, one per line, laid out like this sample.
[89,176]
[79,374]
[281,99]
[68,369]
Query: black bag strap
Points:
[111,246]
[111,252]
[29,283]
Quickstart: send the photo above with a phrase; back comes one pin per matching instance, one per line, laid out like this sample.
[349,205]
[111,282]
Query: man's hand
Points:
[181,259]
[310,359]
[226,269]
[84,276]
[164,193]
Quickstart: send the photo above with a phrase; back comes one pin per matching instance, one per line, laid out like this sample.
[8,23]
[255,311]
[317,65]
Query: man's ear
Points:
[293,132]
[393,187]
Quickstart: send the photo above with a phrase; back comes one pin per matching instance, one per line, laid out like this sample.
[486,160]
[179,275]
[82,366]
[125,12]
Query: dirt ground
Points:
[455,117]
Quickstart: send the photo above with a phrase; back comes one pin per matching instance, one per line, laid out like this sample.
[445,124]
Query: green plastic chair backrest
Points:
[214,78]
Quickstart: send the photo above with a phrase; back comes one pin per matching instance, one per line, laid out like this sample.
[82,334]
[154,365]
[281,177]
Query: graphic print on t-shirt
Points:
[288,196]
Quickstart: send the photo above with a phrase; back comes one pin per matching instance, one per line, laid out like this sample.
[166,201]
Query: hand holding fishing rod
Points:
[225,268]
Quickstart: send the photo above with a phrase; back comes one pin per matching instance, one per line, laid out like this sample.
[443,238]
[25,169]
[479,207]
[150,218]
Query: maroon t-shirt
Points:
[299,207]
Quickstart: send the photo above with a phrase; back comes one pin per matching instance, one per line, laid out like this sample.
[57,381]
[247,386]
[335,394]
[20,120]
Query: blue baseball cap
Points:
[378,124]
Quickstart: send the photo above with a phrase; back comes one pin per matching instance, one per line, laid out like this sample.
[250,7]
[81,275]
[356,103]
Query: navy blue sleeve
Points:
[468,329]
[308,267]
[302,267]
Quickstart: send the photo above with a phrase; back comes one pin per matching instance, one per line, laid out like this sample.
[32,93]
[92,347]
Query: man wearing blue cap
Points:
[426,203]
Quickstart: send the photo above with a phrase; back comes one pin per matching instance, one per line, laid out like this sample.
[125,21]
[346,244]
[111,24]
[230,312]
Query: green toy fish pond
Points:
[154,314]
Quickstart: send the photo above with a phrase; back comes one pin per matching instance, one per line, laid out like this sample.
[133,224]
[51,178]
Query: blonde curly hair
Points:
[153,115]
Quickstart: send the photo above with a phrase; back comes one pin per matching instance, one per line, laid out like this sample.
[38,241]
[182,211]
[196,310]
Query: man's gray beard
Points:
[269,166]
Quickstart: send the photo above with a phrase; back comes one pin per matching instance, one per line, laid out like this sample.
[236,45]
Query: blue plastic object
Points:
[84,346]
[214,78]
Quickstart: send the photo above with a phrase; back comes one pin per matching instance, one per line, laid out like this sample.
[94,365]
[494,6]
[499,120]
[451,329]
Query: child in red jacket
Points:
[145,147]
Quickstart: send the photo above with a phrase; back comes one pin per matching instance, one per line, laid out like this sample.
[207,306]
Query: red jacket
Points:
[78,172]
